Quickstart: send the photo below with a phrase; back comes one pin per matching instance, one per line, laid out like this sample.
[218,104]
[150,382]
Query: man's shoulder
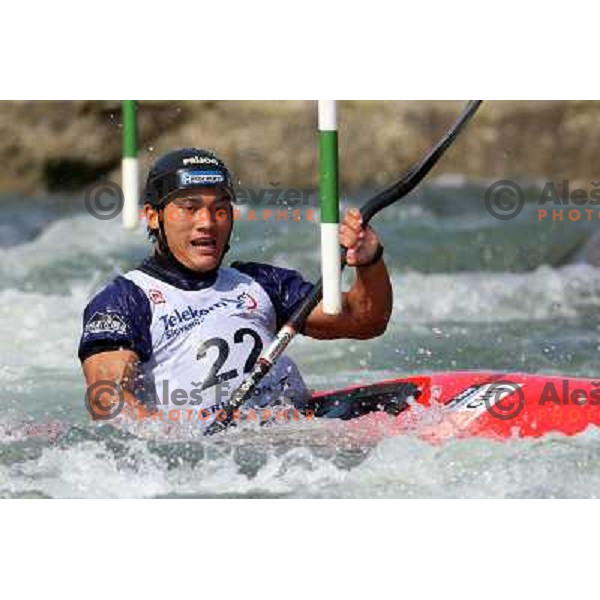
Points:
[122,287]
[120,296]
[116,318]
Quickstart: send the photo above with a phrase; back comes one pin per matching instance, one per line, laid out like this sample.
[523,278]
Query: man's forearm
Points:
[370,299]
[110,377]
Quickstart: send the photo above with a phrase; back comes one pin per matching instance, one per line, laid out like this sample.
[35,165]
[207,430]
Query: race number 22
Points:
[215,376]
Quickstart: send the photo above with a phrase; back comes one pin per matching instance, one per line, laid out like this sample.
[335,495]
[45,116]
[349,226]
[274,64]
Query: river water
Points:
[471,292]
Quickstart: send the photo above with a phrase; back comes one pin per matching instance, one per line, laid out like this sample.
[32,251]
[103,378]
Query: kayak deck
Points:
[495,405]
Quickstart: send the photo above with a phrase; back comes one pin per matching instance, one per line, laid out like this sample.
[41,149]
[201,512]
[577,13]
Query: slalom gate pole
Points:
[331,264]
[130,168]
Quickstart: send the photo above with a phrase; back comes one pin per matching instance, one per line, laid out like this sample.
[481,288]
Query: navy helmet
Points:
[183,169]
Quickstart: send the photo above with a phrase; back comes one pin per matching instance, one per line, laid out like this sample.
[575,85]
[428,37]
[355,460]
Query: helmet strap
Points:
[163,245]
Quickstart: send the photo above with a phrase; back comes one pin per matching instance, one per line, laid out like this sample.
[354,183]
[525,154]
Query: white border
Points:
[316,49]
[299,549]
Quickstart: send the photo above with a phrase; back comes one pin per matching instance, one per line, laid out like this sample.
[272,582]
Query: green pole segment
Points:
[129,129]
[130,167]
[328,171]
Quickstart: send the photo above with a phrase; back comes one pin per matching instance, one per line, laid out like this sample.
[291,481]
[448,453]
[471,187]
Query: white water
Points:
[545,320]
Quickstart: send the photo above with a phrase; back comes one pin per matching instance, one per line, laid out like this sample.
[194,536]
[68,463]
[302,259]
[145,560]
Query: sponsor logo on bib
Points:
[185,318]
[157,297]
[245,300]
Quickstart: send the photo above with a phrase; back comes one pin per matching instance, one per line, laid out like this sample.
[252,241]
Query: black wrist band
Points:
[376,257]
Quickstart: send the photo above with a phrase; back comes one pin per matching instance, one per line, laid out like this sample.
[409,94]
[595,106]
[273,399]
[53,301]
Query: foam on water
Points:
[396,467]
[543,294]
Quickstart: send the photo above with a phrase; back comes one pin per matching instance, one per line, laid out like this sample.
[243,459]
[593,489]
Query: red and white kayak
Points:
[441,406]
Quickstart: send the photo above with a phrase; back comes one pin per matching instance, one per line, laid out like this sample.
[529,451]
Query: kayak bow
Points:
[464,404]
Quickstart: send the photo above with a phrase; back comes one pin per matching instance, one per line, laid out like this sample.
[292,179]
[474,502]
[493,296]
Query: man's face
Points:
[197,224]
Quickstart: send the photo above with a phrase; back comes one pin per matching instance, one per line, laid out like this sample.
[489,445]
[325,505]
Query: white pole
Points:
[331,270]
[130,169]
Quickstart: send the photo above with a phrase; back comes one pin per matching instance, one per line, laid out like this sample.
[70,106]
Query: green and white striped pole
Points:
[331,270]
[130,169]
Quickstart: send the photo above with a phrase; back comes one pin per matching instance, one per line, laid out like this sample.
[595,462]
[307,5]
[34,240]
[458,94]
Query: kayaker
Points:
[188,329]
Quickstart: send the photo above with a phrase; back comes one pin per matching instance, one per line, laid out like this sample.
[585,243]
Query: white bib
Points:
[206,341]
